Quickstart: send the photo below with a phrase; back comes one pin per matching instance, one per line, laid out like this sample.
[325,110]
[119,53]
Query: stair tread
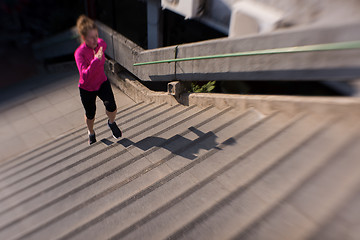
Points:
[72,149]
[186,172]
[194,204]
[119,174]
[156,194]
[57,147]
[247,209]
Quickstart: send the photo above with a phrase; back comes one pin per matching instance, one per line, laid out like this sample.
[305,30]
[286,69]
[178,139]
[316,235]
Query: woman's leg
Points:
[88,100]
[111,115]
[90,125]
[105,93]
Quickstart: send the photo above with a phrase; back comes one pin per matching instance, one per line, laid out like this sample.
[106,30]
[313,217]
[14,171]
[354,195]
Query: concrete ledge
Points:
[138,92]
[291,105]
[267,104]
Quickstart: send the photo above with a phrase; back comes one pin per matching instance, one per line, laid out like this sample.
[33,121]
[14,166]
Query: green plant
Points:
[205,88]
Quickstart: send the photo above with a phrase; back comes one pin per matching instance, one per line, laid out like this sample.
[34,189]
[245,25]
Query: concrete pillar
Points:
[154,24]
[176,88]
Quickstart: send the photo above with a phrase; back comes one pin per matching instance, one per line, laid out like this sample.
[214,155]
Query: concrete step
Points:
[125,122]
[344,222]
[244,210]
[15,200]
[187,172]
[318,197]
[49,178]
[47,149]
[165,189]
[209,190]
[119,173]
[64,160]
[61,145]
[42,111]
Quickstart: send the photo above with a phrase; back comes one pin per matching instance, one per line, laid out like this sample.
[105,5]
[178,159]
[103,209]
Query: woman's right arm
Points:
[85,69]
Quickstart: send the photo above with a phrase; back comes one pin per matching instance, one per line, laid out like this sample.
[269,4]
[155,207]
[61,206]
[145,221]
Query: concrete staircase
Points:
[190,172]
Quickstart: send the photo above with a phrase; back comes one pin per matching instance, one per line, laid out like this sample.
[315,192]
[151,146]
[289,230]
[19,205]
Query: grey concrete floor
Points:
[42,108]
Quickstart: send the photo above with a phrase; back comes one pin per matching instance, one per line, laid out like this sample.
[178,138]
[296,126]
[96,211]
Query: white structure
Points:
[238,18]
[250,17]
[187,8]
[235,18]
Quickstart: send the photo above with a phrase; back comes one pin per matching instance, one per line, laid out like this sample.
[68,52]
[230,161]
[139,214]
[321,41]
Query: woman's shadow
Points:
[179,145]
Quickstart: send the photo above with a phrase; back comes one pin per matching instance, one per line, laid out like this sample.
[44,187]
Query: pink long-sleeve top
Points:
[91,69]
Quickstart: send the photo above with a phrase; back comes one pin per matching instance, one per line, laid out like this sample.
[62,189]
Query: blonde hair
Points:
[84,25]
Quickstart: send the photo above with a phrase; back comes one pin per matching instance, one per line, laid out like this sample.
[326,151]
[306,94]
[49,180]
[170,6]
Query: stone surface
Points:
[223,166]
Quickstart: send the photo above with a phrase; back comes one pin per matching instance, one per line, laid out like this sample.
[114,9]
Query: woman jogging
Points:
[90,59]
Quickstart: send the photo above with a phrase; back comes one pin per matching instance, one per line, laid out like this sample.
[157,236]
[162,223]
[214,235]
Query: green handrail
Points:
[306,48]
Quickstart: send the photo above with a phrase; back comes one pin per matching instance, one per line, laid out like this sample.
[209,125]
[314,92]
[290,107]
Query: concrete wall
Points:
[107,34]
[289,66]
[339,64]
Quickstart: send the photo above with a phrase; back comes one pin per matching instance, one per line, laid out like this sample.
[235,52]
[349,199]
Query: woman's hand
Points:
[99,53]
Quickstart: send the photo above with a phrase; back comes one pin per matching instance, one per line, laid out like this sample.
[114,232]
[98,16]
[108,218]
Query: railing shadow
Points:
[178,144]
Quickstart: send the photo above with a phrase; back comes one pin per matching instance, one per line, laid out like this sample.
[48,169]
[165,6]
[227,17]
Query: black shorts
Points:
[88,99]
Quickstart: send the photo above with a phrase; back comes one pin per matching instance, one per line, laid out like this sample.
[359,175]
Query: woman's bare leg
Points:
[90,125]
[111,116]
